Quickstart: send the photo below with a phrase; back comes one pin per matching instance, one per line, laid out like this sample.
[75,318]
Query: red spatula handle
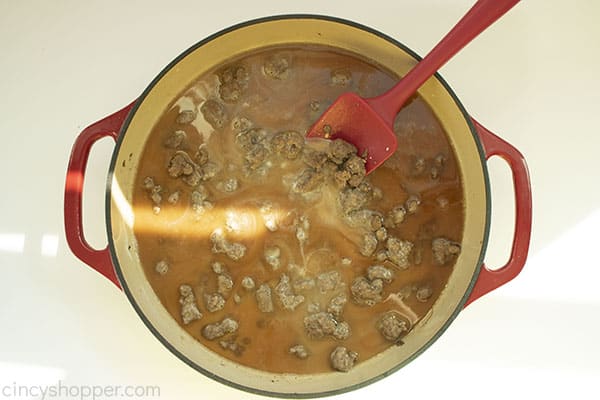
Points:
[483,14]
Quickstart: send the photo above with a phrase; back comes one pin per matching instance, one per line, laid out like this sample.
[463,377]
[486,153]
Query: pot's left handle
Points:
[97,259]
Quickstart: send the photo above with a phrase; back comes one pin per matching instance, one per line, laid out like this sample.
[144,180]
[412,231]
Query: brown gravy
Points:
[277,96]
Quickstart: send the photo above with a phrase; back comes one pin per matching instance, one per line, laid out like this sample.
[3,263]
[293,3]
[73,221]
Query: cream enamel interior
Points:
[277,32]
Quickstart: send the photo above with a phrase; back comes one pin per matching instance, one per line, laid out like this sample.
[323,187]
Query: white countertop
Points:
[532,79]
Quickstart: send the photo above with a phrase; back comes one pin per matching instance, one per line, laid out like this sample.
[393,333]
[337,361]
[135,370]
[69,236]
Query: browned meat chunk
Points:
[180,164]
[288,144]
[289,300]
[341,177]
[329,281]
[255,157]
[299,351]
[162,267]
[412,203]
[199,194]
[149,183]
[214,302]
[381,255]
[355,165]
[444,250]
[174,197]
[193,179]
[339,151]
[264,298]
[233,83]
[392,326]
[341,77]
[320,325]
[313,308]
[304,284]
[355,180]
[336,305]
[218,268]
[156,197]
[214,113]
[233,346]
[220,329]
[368,244]
[277,67]
[366,188]
[314,159]
[352,199]
[208,171]
[439,160]
[224,284]
[228,185]
[272,255]
[355,168]
[176,140]
[380,272]
[342,331]
[308,181]
[438,166]
[198,200]
[435,166]
[185,116]
[381,234]
[248,283]
[247,139]
[201,156]
[269,216]
[365,292]
[302,226]
[189,309]
[424,293]
[395,217]
[442,202]
[368,219]
[405,292]
[240,124]
[418,166]
[342,359]
[398,251]
[235,251]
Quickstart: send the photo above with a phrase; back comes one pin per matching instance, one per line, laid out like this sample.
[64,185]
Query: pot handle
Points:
[488,279]
[97,259]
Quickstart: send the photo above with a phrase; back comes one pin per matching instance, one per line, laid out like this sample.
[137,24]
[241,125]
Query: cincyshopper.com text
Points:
[80,392]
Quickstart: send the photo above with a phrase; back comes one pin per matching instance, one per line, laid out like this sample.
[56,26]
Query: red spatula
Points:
[367,123]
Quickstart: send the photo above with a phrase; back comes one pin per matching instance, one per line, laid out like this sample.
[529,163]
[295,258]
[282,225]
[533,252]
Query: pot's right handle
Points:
[488,279]
[97,259]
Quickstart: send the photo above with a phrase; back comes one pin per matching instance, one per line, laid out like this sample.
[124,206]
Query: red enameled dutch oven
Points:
[471,142]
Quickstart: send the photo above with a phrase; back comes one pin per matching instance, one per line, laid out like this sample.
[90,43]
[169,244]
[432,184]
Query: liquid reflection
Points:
[123,205]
